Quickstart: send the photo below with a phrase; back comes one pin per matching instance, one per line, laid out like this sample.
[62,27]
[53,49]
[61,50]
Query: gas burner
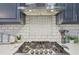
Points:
[41,48]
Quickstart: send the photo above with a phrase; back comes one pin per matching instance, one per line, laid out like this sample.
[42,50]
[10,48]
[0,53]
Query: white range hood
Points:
[41,11]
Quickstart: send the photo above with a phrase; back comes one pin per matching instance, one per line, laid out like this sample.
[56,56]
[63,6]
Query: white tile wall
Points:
[69,26]
[37,28]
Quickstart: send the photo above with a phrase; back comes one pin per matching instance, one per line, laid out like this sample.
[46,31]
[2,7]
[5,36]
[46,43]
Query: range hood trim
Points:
[41,11]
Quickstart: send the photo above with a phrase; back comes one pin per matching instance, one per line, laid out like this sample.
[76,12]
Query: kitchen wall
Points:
[69,26]
[73,28]
[37,28]
[41,28]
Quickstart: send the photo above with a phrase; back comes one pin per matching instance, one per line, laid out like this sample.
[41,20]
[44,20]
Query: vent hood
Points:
[40,9]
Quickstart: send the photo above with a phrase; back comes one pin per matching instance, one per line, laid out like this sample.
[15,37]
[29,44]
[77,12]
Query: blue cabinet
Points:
[10,14]
[70,13]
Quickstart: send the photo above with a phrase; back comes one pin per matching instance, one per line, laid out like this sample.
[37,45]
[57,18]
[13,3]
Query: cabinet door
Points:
[60,16]
[77,11]
[9,13]
[8,10]
[68,15]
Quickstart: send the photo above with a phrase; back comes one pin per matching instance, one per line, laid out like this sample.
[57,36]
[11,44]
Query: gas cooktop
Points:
[41,48]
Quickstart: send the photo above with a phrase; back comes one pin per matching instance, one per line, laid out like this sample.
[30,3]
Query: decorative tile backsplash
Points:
[37,28]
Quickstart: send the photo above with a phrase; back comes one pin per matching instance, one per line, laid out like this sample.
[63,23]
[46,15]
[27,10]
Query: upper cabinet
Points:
[8,10]
[10,14]
[69,15]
